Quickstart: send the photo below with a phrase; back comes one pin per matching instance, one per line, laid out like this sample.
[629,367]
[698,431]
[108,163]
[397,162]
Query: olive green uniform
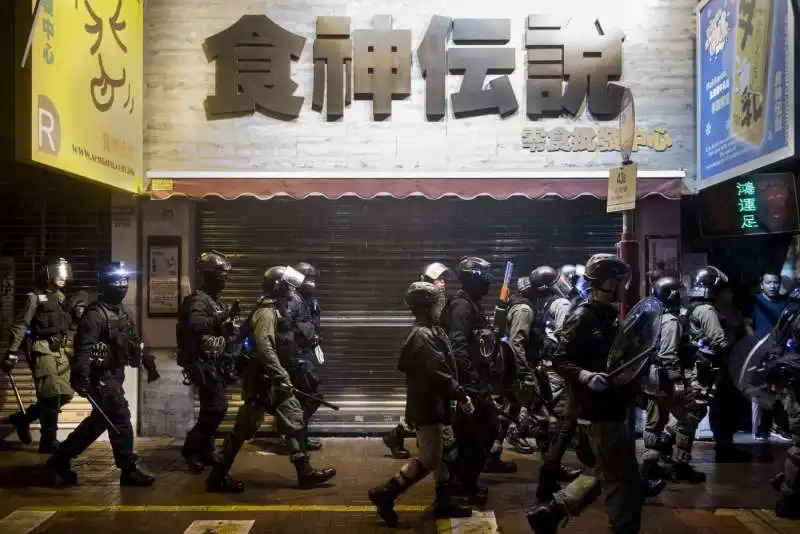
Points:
[261,394]
[47,357]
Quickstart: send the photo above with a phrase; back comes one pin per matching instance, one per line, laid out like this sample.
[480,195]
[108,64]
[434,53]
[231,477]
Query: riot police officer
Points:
[473,344]
[706,334]
[105,344]
[201,334]
[433,273]
[431,386]
[304,312]
[41,331]
[267,387]
[602,408]
[781,373]
[671,390]
[532,308]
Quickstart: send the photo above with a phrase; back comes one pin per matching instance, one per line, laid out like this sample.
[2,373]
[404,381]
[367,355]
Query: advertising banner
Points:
[87,91]
[745,87]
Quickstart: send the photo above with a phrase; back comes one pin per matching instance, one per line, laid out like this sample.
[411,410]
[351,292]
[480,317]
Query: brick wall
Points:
[658,66]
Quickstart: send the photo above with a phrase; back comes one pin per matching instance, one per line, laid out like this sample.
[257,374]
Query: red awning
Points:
[432,188]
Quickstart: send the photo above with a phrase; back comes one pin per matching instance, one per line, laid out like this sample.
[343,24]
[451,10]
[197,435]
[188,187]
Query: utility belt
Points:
[55,341]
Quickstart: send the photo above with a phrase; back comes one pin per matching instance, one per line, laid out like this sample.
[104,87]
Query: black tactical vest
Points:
[51,318]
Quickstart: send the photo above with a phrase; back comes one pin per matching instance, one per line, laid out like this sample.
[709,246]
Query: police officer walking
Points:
[581,358]
[530,309]
[712,348]
[673,389]
[433,273]
[40,331]
[304,312]
[267,387]
[105,344]
[473,344]
[201,332]
[431,386]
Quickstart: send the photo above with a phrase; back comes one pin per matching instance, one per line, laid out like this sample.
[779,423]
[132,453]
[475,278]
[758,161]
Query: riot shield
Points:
[748,369]
[636,343]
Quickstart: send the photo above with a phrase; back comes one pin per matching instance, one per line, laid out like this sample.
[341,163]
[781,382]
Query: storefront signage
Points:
[86,83]
[745,88]
[622,188]
[567,63]
[590,139]
[760,204]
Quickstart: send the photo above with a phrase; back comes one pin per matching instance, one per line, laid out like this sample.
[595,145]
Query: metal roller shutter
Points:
[368,251]
[61,216]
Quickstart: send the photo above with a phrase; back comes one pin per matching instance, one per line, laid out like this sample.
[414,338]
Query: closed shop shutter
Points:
[60,216]
[368,251]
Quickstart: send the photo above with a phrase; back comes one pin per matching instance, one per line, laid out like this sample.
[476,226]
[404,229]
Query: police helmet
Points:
[707,282]
[214,263]
[279,279]
[667,290]
[310,273]
[422,295]
[113,280]
[433,272]
[542,278]
[603,267]
[472,268]
[568,272]
[55,269]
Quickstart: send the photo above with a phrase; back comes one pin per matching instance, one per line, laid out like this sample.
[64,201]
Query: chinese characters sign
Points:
[590,139]
[746,81]
[622,188]
[87,90]
[567,63]
[759,204]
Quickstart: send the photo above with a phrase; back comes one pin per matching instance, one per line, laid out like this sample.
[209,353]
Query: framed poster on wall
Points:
[164,265]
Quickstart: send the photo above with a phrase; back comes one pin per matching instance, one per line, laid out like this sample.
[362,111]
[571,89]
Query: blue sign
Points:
[745,87]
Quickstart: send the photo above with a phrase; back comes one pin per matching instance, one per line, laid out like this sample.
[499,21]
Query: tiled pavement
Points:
[736,498]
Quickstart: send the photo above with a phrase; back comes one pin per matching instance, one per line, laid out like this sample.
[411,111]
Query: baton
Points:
[16,393]
[102,413]
[314,398]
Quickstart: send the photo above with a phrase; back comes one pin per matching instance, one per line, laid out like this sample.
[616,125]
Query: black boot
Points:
[48,418]
[683,472]
[545,518]
[136,478]
[653,487]
[22,426]
[59,465]
[308,477]
[788,508]
[548,485]
[516,438]
[219,481]
[193,460]
[394,441]
[568,474]
[496,465]
[313,444]
[383,498]
[447,505]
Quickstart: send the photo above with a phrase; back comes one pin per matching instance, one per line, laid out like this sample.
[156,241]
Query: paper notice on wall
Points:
[164,281]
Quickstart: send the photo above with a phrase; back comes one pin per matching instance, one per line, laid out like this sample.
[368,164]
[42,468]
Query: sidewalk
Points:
[736,498]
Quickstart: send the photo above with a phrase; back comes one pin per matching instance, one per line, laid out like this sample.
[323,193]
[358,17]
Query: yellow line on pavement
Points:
[760,521]
[286,508]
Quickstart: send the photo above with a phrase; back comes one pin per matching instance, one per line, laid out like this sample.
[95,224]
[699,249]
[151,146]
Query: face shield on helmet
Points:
[58,271]
[475,275]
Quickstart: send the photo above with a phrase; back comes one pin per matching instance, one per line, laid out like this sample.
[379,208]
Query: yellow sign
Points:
[87,91]
[622,188]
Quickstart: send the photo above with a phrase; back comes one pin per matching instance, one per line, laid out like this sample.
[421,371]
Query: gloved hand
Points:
[595,381]
[7,365]
[286,387]
[467,406]
[152,372]
[81,385]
